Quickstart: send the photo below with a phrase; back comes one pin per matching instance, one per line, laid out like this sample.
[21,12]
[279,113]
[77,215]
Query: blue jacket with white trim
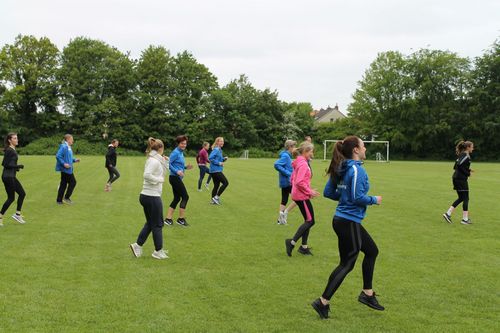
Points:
[216,159]
[284,166]
[350,192]
[177,162]
[64,155]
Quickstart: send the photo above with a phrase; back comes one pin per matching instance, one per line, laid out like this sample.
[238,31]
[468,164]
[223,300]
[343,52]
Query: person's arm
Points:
[302,181]
[464,165]
[214,157]
[174,157]
[331,191]
[150,169]
[359,197]
[60,155]
[109,154]
[279,165]
[8,160]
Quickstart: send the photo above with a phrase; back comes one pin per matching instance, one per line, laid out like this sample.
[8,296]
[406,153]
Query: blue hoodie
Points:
[216,159]
[284,166]
[177,162]
[64,155]
[351,192]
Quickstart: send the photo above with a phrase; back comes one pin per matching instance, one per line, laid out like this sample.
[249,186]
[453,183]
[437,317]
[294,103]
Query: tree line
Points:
[422,102]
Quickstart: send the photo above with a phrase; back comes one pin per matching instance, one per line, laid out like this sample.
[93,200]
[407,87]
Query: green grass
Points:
[69,269]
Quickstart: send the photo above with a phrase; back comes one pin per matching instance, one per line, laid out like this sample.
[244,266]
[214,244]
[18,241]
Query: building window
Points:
[331,120]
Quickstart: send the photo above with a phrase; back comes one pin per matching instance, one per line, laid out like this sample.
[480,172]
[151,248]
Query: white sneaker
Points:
[18,218]
[215,201]
[136,249]
[160,254]
[199,190]
[1,221]
[285,216]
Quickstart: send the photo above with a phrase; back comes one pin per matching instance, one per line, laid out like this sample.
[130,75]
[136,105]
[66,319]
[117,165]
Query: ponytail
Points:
[154,144]
[6,143]
[342,150]
[462,146]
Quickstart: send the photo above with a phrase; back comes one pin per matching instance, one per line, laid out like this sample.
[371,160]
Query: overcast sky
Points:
[309,51]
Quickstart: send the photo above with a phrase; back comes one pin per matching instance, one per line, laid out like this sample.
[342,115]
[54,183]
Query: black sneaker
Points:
[468,221]
[305,251]
[371,301]
[289,246]
[182,222]
[447,217]
[168,222]
[321,309]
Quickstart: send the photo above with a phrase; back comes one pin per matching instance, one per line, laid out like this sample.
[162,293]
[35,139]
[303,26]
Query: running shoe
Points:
[320,308]
[182,222]
[289,246]
[371,301]
[136,249]
[468,221]
[18,218]
[160,254]
[168,222]
[447,218]
[68,201]
[305,251]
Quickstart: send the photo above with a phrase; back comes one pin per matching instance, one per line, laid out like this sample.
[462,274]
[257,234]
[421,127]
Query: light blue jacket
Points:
[351,192]
[177,162]
[216,159]
[284,167]
[64,155]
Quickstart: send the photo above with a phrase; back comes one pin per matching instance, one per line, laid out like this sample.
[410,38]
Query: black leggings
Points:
[113,174]
[13,186]
[219,178]
[69,181]
[463,196]
[179,191]
[285,192]
[203,171]
[307,211]
[353,238]
[153,210]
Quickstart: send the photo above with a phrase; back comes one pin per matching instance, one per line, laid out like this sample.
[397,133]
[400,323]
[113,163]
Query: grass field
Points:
[69,269]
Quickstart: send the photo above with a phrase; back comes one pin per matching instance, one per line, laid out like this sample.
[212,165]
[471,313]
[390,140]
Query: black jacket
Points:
[111,156]
[462,167]
[9,163]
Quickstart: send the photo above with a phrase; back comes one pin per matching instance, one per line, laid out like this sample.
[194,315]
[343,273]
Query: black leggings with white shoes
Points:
[307,211]
[353,238]
[13,186]
[218,178]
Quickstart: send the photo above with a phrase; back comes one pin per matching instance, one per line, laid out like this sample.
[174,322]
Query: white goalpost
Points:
[244,155]
[379,157]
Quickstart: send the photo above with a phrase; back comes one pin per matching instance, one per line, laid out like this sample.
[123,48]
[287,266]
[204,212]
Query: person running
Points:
[460,183]
[348,184]
[284,167]
[177,167]
[202,160]
[302,193]
[155,171]
[217,161]
[111,164]
[64,165]
[11,183]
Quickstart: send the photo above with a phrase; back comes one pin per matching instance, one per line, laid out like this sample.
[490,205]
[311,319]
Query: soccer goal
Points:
[375,150]
[244,155]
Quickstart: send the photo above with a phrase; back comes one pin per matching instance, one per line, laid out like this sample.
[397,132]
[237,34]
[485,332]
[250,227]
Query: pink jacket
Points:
[301,179]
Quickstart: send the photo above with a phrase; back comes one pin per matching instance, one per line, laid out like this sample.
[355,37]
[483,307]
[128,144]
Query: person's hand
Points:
[111,165]
[189,166]
[315,194]
[221,163]
[379,199]
[225,158]
[165,158]
[20,166]
[77,160]
[180,173]
[67,166]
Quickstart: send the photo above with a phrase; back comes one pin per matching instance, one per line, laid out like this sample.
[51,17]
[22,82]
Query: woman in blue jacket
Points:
[177,166]
[216,167]
[284,167]
[64,165]
[348,184]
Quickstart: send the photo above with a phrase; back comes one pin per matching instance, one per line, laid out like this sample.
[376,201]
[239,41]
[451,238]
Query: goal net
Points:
[244,155]
[375,150]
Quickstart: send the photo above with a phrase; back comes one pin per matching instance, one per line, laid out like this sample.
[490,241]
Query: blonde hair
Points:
[289,144]
[303,148]
[154,144]
[217,139]
[462,146]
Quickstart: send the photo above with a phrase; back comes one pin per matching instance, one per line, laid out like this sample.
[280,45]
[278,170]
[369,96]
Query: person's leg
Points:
[146,203]
[62,186]
[185,197]
[115,174]
[349,244]
[202,175]
[304,227]
[21,194]
[215,177]
[111,174]
[465,195]
[174,182]
[369,248]
[225,184]
[209,176]
[156,220]
[71,186]
[310,211]
[10,189]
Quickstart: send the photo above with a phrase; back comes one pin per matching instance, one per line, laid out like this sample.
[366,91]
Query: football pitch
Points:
[69,268]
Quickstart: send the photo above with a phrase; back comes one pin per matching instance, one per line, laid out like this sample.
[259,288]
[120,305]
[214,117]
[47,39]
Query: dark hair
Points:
[154,144]
[114,140]
[6,143]
[462,146]
[342,150]
[181,138]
